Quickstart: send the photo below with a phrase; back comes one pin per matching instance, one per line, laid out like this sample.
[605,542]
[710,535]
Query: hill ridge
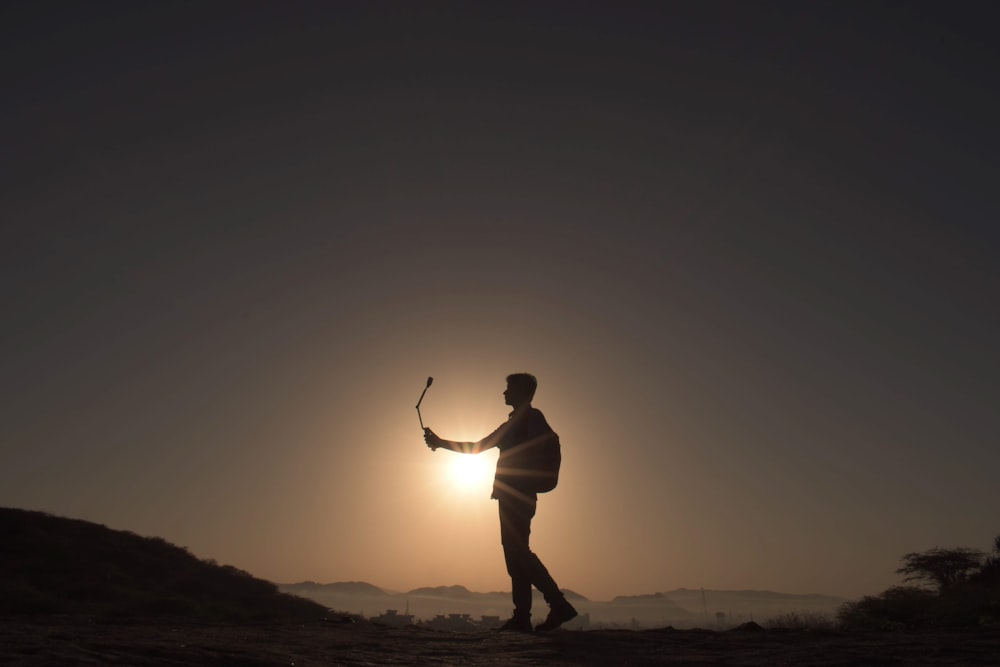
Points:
[57,565]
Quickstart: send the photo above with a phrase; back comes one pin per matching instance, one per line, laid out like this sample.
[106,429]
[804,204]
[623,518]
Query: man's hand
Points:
[432,439]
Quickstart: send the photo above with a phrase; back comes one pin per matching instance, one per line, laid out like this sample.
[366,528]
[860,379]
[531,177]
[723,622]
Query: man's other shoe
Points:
[558,614]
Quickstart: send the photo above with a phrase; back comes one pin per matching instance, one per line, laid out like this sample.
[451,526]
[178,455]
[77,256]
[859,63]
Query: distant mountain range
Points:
[680,608]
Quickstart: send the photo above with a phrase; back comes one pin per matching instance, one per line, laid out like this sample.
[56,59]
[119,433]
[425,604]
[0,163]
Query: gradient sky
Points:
[748,248]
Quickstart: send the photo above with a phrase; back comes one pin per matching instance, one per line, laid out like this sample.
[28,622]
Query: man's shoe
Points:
[516,624]
[558,614]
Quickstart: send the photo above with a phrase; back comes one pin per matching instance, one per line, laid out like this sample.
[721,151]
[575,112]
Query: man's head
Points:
[520,389]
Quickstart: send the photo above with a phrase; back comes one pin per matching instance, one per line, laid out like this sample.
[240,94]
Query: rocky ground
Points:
[75,641]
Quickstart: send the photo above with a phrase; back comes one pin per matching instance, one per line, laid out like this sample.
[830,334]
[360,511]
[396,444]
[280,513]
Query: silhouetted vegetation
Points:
[53,565]
[804,620]
[961,588]
[943,568]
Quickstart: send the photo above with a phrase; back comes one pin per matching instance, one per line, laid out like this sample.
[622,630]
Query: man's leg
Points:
[526,569]
[515,527]
[542,580]
[560,610]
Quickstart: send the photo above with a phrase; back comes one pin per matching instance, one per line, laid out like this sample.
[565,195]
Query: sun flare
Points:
[470,470]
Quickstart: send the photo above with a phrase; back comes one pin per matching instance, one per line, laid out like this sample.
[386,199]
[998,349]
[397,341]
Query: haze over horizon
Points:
[748,249]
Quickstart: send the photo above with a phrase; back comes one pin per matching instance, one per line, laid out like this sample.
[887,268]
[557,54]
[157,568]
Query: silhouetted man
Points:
[515,490]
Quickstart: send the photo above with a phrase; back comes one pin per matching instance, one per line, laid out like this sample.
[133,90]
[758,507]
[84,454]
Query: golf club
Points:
[429,380]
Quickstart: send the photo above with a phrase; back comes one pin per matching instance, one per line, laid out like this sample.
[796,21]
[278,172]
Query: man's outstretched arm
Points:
[434,441]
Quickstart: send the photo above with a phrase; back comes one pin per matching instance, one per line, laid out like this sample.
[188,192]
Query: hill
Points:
[54,565]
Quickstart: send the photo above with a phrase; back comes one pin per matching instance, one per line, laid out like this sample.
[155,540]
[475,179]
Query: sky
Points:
[748,249]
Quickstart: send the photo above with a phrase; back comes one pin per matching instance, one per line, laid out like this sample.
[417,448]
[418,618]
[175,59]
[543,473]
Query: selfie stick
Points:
[429,380]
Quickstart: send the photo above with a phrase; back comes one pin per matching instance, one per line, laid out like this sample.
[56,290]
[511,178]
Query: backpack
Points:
[546,458]
[531,465]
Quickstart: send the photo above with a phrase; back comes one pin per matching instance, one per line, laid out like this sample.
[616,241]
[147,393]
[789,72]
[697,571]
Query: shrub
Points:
[896,608]
[806,620]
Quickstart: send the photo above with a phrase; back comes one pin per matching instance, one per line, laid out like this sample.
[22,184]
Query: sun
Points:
[467,471]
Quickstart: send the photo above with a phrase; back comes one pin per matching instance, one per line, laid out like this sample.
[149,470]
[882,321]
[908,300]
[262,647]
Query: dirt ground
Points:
[81,642]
